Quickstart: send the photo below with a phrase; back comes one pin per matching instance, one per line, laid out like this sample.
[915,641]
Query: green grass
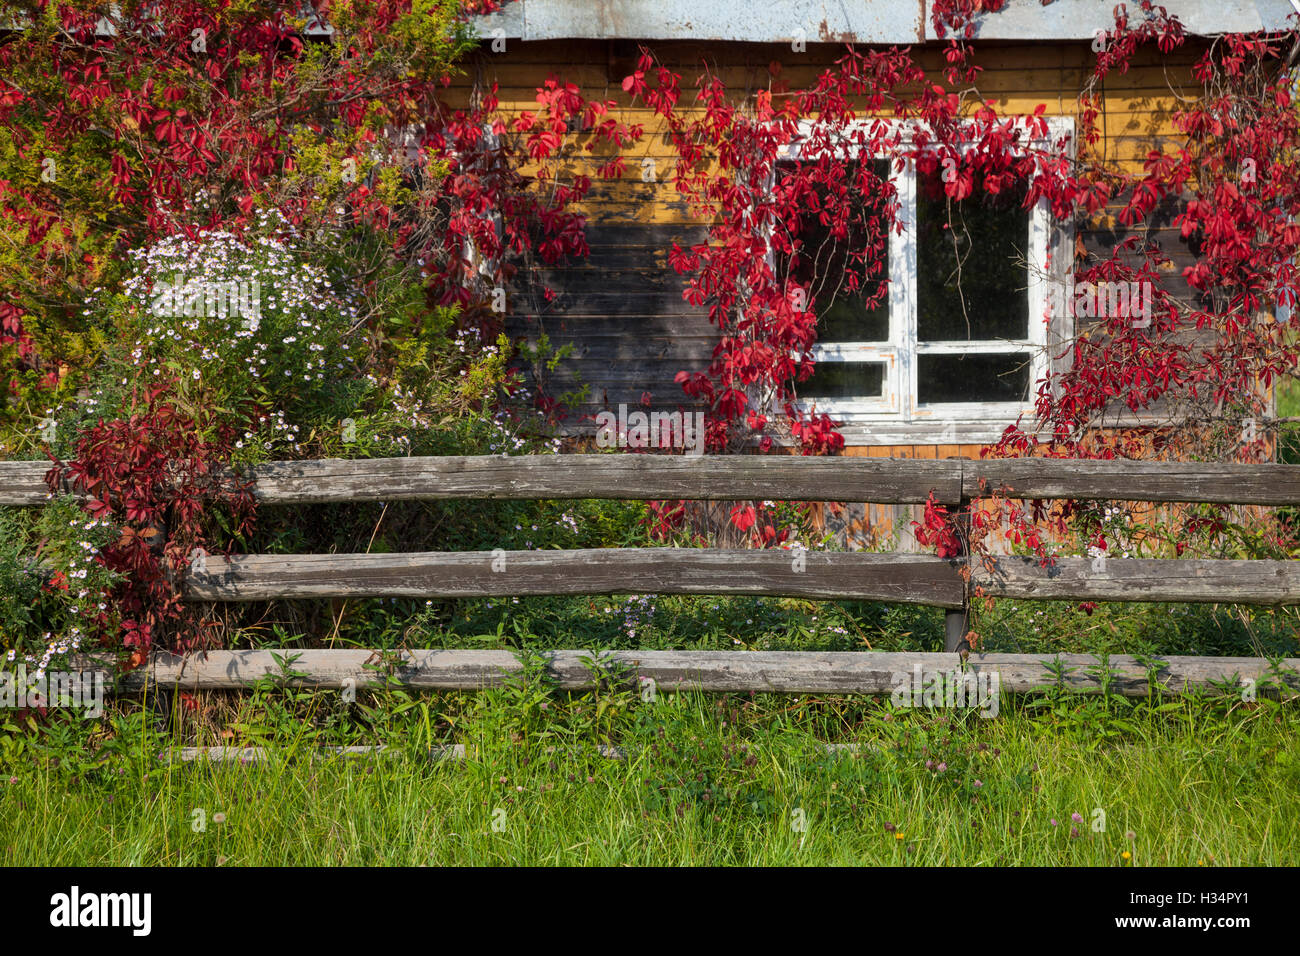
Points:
[707,780]
[691,622]
[1288,406]
[722,780]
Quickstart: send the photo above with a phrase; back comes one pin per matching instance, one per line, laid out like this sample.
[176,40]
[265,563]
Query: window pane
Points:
[844,380]
[846,283]
[972,378]
[983,268]
[846,318]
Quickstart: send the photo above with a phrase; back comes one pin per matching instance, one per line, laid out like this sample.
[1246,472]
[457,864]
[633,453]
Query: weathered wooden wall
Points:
[622,310]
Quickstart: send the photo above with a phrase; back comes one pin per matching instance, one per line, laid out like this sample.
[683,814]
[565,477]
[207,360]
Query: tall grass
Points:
[703,781]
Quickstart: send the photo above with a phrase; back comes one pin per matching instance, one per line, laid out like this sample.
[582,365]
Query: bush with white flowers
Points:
[255,336]
[53,592]
[252,353]
[262,342]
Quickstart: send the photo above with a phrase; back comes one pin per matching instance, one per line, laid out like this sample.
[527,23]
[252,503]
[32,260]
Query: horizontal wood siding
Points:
[622,310]
[622,314]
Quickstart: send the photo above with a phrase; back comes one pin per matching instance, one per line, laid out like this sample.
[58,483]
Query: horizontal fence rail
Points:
[622,476]
[900,578]
[1193,581]
[734,477]
[828,575]
[949,583]
[811,672]
[1123,480]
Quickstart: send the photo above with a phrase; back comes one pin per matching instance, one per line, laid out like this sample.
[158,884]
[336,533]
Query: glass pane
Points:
[845,281]
[847,318]
[844,380]
[972,378]
[981,269]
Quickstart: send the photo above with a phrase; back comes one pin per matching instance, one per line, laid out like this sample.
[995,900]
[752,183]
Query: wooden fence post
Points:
[955,620]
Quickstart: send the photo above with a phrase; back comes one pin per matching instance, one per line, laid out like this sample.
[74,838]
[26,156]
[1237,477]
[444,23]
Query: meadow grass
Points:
[705,780]
[1053,780]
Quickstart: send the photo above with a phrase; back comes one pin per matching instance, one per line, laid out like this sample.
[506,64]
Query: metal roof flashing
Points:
[884,22]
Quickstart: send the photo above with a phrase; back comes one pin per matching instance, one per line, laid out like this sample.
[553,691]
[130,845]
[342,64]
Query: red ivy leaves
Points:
[936,530]
[1235,164]
[155,476]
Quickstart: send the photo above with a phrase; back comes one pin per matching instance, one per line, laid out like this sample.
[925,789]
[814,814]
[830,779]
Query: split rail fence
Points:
[886,577]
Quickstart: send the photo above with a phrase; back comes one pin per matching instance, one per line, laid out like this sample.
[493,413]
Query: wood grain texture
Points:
[22,483]
[896,578]
[451,752]
[1265,484]
[256,755]
[644,477]
[1143,580]
[735,477]
[865,576]
[847,672]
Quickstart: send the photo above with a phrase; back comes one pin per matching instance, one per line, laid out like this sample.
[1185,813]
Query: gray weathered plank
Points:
[646,477]
[439,752]
[1263,484]
[23,483]
[845,672]
[892,577]
[630,477]
[897,578]
[735,477]
[1143,580]
[254,755]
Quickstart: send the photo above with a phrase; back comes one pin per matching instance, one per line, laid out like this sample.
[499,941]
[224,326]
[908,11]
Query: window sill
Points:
[944,432]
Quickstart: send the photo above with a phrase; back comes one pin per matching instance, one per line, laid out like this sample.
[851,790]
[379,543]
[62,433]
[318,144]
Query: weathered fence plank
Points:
[898,578]
[22,483]
[1263,484]
[830,575]
[727,477]
[254,755]
[1204,581]
[646,477]
[630,477]
[844,672]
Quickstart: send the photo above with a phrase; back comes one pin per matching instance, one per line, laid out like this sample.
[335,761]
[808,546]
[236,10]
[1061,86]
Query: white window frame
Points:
[899,416]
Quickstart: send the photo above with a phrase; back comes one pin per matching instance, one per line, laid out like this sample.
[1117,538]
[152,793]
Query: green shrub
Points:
[51,587]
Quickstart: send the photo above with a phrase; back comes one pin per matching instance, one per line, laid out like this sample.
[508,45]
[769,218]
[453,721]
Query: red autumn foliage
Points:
[154,476]
[1232,180]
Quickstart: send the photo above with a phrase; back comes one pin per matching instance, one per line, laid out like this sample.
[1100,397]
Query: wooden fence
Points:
[891,577]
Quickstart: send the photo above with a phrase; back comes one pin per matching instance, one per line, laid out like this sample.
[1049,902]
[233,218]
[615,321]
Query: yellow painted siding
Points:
[1138,106]
[1138,109]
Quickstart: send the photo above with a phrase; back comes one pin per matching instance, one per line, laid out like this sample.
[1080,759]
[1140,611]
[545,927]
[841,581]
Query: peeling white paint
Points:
[865,21]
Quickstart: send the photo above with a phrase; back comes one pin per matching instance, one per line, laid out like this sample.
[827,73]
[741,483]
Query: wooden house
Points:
[901,380]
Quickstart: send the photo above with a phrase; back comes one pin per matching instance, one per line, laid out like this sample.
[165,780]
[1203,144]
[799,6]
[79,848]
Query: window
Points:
[948,343]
